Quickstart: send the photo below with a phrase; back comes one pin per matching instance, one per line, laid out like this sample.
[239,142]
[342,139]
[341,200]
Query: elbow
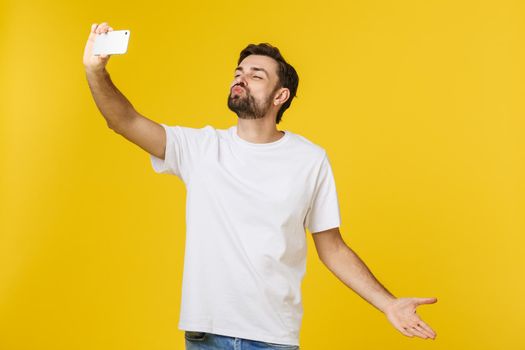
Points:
[110,126]
[113,126]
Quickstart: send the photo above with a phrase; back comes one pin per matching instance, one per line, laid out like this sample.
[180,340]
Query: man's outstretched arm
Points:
[346,265]
[118,111]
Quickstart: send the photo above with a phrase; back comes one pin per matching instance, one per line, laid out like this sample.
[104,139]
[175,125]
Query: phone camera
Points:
[126,33]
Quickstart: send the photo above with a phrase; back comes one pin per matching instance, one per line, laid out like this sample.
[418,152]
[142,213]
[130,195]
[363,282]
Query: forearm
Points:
[113,105]
[346,265]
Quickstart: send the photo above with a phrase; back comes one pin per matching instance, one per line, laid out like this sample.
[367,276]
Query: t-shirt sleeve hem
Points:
[328,225]
[158,164]
[165,165]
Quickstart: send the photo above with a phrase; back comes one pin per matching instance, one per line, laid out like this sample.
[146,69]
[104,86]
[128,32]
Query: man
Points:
[252,192]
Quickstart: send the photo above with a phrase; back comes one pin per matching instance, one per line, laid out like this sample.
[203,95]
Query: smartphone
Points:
[111,43]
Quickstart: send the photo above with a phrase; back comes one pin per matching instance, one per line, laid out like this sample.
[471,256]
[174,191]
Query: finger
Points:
[93,27]
[417,332]
[416,323]
[424,331]
[406,331]
[101,27]
[427,328]
[110,29]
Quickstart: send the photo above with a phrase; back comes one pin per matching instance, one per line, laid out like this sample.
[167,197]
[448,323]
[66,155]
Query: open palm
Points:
[402,314]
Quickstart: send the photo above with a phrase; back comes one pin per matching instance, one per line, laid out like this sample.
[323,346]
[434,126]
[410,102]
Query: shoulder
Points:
[315,151]
[203,129]
[193,132]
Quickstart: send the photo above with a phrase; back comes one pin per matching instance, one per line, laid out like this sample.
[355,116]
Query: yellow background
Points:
[419,104]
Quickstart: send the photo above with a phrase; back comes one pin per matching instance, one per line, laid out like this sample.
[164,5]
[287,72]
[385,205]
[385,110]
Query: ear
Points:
[281,97]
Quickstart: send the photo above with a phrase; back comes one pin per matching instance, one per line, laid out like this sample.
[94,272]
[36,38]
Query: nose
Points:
[240,80]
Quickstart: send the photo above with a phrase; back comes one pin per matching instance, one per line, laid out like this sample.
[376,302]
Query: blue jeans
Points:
[211,341]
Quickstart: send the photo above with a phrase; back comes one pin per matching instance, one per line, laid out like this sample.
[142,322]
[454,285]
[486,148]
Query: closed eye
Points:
[255,76]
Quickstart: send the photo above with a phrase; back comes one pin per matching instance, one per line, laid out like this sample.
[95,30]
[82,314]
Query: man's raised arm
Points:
[119,113]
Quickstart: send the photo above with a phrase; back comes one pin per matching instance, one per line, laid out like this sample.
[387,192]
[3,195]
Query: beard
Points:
[246,107]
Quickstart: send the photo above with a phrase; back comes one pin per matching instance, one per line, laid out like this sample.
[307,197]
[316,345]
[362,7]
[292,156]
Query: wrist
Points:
[387,303]
[96,72]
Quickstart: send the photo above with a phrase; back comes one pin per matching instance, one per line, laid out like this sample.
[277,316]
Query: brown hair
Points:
[288,77]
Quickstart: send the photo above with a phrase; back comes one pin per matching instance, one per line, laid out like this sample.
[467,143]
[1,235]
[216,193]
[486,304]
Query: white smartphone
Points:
[111,43]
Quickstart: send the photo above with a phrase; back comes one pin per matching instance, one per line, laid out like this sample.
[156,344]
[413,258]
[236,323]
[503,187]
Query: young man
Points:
[252,190]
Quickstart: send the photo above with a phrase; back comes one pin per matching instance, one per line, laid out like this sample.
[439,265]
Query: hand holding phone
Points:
[105,46]
[113,42]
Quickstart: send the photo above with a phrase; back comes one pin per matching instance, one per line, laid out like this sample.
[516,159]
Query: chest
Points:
[275,185]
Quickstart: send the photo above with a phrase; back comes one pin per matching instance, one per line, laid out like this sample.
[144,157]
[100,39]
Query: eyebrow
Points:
[256,69]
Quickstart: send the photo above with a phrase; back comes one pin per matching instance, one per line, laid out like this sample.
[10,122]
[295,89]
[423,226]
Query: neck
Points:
[263,130]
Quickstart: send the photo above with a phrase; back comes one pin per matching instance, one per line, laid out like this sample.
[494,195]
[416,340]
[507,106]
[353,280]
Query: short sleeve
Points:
[324,213]
[183,150]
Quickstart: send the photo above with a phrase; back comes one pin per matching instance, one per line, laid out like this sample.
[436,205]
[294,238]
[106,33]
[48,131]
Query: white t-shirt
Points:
[247,207]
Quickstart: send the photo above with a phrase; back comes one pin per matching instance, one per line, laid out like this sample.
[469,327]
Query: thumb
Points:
[420,301]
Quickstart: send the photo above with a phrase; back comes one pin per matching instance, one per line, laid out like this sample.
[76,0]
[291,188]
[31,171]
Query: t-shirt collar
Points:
[238,139]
